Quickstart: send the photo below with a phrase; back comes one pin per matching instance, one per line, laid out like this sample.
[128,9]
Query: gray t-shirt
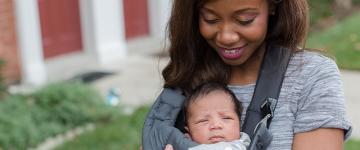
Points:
[311,97]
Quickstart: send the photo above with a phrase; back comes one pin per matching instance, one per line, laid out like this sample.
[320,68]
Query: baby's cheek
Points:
[234,132]
[200,135]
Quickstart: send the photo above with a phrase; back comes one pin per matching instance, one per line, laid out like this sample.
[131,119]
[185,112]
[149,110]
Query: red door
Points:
[60,26]
[136,18]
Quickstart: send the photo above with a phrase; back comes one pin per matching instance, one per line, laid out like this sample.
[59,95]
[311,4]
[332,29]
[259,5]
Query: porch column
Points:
[103,29]
[159,13]
[29,42]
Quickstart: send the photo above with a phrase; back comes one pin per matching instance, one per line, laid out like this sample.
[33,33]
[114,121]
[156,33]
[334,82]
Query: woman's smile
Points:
[233,53]
[236,29]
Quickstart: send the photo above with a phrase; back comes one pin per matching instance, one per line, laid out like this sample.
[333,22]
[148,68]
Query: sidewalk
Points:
[351,81]
[139,80]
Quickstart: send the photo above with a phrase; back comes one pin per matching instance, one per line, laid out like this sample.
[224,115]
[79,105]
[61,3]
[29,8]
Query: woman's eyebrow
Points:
[240,11]
[207,10]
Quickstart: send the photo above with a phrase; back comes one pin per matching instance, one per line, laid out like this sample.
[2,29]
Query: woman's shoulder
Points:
[307,61]
[307,64]
[313,57]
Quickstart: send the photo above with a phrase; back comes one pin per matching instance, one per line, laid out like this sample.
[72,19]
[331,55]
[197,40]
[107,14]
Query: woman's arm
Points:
[319,139]
[320,119]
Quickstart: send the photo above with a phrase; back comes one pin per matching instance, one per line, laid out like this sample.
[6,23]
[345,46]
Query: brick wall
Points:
[8,46]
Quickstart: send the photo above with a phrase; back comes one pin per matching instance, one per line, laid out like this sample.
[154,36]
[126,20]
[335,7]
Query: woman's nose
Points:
[227,36]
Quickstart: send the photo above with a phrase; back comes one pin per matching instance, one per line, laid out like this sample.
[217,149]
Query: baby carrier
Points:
[158,130]
[263,103]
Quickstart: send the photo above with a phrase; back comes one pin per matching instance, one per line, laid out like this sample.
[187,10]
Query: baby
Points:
[212,115]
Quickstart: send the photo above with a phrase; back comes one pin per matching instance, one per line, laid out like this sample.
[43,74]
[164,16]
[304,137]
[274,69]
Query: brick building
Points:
[41,40]
[8,46]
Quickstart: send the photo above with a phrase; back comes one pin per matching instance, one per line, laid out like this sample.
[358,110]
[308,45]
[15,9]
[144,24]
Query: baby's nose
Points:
[216,125]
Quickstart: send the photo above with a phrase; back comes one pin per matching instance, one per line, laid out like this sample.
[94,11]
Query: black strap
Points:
[267,88]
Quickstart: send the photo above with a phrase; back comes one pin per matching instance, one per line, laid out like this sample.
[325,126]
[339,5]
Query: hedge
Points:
[27,120]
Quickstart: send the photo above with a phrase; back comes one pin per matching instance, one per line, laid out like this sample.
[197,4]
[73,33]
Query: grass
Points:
[341,41]
[122,133]
[352,145]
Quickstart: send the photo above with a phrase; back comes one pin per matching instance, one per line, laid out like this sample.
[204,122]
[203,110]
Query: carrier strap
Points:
[267,89]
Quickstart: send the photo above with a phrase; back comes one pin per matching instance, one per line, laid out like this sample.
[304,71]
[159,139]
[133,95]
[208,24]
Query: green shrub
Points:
[16,125]
[27,120]
[70,104]
[356,2]
[320,9]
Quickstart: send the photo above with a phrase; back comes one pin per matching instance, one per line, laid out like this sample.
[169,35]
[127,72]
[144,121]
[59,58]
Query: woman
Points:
[224,41]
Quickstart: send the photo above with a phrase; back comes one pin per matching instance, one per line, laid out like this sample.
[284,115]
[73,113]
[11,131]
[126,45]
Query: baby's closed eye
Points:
[228,118]
[202,121]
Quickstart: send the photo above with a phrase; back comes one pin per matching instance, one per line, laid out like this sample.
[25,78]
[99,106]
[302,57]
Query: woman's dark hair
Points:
[193,61]
[207,88]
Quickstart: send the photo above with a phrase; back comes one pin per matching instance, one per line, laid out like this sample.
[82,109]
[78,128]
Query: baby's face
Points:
[212,118]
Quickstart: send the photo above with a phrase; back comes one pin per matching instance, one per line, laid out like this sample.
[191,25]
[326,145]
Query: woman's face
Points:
[234,28]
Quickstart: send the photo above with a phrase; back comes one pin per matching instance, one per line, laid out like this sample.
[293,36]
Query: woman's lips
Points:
[233,53]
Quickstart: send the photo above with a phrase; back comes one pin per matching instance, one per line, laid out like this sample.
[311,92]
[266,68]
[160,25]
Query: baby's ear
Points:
[187,129]
[187,134]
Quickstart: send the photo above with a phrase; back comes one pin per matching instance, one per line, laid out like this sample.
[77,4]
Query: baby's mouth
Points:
[216,139]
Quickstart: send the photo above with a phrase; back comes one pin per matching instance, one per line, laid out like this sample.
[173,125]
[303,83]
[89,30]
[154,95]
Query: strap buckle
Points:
[268,108]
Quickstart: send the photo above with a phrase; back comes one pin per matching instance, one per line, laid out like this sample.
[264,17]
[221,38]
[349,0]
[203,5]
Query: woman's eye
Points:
[211,21]
[245,22]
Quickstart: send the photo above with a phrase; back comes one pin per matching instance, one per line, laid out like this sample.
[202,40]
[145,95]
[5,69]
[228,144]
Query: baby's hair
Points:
[207,88]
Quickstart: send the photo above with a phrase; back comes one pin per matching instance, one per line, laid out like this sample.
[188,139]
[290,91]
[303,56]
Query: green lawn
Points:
[123,133]
[341,41]
[352,145]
